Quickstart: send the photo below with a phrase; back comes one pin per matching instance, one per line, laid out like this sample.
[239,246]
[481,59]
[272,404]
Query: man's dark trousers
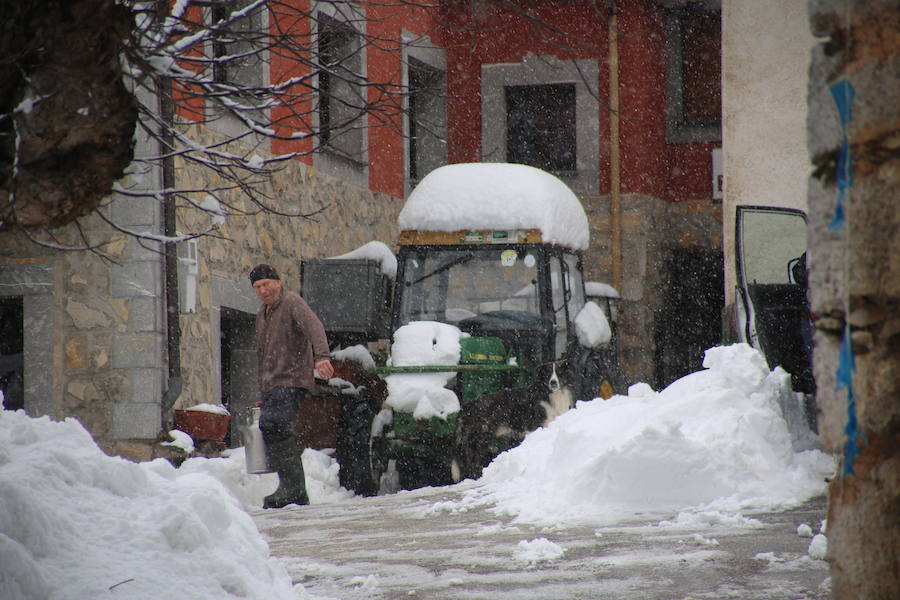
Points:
[278,414]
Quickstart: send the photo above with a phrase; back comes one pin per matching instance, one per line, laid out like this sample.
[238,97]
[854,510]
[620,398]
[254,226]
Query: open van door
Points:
[772,308]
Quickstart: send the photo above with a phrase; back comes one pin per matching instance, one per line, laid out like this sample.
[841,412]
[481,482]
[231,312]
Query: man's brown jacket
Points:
[290,339]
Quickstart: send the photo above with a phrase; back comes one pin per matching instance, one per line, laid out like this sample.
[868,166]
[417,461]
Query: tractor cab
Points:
[525,294]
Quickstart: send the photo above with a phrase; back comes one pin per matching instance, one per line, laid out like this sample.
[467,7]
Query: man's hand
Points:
[325,369]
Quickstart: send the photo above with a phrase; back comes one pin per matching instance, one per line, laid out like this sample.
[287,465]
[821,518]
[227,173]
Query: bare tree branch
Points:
[267,69]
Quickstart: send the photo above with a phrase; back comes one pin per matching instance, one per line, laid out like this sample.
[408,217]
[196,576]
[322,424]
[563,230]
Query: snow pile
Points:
[211,205]
[818,547]
[592,326]
[322,484]
[714,440]
[816,551]
[180,440]
[597,289]
[76,523]
[376,251]
[424,394]
[477,196]
[358,353]
[538,550]
[708,519]
[319,467]
[216,409]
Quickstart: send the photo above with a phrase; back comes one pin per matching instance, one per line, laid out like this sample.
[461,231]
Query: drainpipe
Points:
[615,183]
[170,256]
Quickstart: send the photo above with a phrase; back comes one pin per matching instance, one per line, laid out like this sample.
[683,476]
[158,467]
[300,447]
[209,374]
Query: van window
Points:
[771,242]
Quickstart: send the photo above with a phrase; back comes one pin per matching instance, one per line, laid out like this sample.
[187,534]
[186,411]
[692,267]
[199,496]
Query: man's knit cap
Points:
[262,272]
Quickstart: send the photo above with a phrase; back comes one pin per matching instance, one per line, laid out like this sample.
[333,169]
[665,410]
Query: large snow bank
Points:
[473,196]
[76,523]
[424,394]
[713,440]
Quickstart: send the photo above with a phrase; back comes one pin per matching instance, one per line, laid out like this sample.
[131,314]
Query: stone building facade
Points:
[95,334]
[96,345]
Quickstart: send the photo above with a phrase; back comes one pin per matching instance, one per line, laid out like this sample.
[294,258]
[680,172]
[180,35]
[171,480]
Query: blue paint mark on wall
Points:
[843,94]
[844,379]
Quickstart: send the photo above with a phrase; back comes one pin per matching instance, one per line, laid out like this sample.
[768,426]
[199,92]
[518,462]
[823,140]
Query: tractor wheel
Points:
[381,466]
[354,445]
[417,472]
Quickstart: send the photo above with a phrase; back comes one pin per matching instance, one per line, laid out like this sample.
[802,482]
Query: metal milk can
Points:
[254,446]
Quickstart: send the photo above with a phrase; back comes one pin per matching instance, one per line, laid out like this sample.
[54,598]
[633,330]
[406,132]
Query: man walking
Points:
[290,342]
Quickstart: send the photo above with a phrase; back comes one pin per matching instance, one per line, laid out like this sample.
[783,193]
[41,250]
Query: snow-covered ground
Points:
[75,523]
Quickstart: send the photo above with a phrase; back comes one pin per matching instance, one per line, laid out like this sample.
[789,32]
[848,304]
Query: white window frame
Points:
[421,49]
[227,124]
[678,131]
[353,169]
[545,70]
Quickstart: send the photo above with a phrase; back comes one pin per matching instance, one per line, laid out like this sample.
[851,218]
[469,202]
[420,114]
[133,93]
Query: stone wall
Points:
[95,324]
[344,217]
[651,230]
[94,331]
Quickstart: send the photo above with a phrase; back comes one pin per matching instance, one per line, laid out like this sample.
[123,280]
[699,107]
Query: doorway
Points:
[238,364]
[688,321]
[12,347]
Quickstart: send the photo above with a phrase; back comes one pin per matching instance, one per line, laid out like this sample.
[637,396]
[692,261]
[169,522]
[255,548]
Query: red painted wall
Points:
[566,30]
[642,98]
[386,24]
[384,27]
[492,35]
[297,117]
[650,165]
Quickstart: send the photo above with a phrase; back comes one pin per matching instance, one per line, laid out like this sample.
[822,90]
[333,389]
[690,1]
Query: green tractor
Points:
[489,285]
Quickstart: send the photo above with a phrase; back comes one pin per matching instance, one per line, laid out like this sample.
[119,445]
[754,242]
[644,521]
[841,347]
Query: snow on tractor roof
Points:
[481,196]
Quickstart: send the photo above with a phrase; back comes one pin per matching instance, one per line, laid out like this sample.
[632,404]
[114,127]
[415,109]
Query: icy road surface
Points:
[427,544]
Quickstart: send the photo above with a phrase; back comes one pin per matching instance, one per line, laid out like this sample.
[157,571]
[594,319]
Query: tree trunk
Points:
[69,120]
[855,284]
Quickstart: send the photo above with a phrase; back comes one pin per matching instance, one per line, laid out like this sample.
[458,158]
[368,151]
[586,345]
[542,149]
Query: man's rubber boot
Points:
[284,457]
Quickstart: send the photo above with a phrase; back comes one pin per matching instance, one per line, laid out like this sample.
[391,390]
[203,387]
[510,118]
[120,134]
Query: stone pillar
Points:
[138,352]
[854,259]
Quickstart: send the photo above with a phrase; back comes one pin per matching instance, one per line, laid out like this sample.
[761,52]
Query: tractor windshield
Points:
[453,285]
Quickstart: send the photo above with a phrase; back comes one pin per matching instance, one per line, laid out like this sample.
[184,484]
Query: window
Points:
[771,242]
[188,269]
[453,285]
[239,51]
[538,111]
[540,126]
[693,69]
[427,118]
[341,100]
